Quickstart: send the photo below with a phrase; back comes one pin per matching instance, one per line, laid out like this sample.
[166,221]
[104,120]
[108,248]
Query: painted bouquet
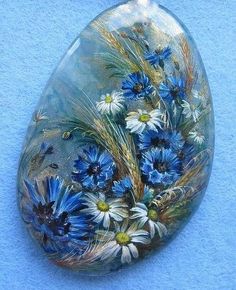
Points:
[140,158]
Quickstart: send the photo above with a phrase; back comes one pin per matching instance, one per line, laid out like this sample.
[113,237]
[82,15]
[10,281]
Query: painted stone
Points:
[119,151]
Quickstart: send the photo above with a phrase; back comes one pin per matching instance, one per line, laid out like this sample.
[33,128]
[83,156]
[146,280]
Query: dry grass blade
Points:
[121,145]
[134,171]
[109,37]
[131,53]
[171,196]
[106,140]
[111,137]
[191,74]
[88,261]
[183,190]
[195,166]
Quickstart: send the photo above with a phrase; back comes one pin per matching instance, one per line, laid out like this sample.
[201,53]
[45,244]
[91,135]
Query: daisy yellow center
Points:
[122,239]
[102,206]
[192,107]
[152,214]
[144,118]
[108,99]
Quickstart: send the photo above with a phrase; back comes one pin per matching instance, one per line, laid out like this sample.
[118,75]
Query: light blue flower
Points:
[138,86]
[158,56]
[52,210]
[121,187]
[94,168]
[173,89]
[160,167]
[161,139]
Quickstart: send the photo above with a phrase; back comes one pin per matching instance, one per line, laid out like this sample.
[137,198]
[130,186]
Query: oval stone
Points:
[119,150]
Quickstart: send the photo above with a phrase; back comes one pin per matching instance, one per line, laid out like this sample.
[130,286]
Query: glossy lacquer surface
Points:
[119,151]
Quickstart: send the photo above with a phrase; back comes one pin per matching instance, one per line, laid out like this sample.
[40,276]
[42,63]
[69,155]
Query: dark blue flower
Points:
[138,86]
[172,89]
[94,168]
[160,167]
[52,210]
[186,153]
[161,139]
[158,56]
[121,187]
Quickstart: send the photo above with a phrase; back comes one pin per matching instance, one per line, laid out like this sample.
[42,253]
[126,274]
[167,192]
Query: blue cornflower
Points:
[137,87]
[148,194]
[172,89]
[160,167]
[94,168]
[52,210]
[121,187]
[161,139]
[158,56]
[186,153]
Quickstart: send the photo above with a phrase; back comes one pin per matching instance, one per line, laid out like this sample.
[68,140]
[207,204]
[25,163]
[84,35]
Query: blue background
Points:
[33,37]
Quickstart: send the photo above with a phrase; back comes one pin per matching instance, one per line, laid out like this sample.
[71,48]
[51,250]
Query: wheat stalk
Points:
[121,145]
[133,56]
[88,261]
[191,74]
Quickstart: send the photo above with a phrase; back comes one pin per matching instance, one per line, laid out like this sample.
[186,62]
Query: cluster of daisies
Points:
[102,211]
[138,86]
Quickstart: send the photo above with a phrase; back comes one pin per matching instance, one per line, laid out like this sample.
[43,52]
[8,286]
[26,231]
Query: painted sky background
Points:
[33,37]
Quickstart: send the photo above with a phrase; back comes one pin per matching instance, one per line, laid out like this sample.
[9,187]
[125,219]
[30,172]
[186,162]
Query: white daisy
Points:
[201,97]
[111,103]
[123,241]
[190,111]
[104,210]
[150,217]
[197,137]
[195,94]
[138,121]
